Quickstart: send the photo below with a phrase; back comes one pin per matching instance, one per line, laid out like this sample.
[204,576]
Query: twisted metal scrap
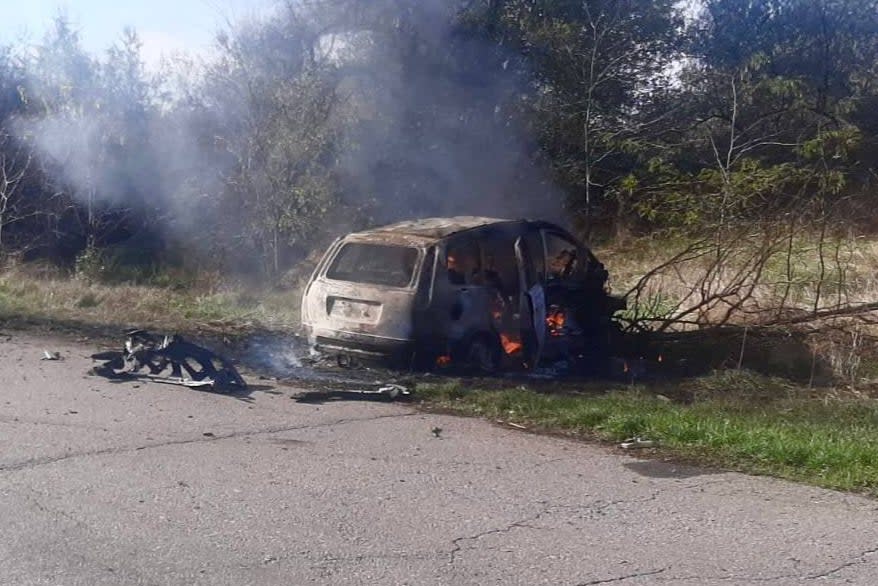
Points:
[189,364]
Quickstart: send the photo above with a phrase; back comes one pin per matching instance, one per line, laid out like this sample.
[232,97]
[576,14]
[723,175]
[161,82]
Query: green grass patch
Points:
[764,427]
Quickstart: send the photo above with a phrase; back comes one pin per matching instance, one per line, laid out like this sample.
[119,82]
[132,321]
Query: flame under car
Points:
[470,293]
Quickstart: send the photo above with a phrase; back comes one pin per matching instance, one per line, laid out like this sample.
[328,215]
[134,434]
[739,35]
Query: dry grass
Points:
[38,292]
[764,280]
[843,269]
[849,260]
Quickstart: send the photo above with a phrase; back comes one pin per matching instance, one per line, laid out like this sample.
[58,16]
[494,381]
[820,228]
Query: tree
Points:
[598,68]
[14,165]
[279,126]
[772,121]
[14,160]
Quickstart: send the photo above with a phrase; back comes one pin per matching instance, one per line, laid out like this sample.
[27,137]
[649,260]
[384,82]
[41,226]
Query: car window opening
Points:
[561,254]
[462,263]
[374,264]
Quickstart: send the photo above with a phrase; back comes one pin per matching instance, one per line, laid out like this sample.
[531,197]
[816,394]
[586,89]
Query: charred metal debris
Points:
[168,359]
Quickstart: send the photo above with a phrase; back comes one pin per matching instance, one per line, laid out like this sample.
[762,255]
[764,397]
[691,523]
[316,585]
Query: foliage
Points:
[90,265]
[329,115]
[598,69]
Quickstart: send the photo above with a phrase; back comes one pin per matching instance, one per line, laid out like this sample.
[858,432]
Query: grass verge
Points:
[731,420]
[28,296]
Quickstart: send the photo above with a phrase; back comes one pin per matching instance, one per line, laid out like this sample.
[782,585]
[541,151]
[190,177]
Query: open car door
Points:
[531,307]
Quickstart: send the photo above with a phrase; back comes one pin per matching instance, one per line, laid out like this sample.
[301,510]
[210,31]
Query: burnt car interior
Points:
[540,290]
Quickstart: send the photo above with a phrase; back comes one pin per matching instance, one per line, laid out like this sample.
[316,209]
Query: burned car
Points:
[470,293]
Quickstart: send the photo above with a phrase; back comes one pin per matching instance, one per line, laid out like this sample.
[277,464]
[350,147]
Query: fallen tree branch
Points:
[845,311]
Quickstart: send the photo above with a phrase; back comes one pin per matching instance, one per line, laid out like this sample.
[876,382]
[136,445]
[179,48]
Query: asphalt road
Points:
[123,483]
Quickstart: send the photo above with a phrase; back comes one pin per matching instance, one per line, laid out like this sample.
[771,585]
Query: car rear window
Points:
[374,264]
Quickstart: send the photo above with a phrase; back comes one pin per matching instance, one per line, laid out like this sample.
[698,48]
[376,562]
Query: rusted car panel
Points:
[465,290]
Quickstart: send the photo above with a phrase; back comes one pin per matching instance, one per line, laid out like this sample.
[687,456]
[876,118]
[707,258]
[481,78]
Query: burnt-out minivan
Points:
[468,293]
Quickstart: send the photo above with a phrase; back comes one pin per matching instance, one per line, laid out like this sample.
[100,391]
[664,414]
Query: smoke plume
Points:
[325,117]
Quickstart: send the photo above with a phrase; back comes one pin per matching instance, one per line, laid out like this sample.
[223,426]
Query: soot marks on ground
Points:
[657,469]
[319,397]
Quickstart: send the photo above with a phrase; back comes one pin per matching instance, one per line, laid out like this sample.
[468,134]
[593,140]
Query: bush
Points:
[90,265]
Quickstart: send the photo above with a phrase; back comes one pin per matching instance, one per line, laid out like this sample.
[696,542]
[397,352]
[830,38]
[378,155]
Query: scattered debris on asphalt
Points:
[437,431]
[636,442]
[190,365]
[390,391]
[383,392]
[48,355]
[393,390]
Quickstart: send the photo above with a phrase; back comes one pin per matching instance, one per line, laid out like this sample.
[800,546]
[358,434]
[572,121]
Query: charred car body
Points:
[467,292]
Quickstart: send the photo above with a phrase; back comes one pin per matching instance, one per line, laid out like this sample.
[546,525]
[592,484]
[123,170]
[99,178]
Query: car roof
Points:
[430,230]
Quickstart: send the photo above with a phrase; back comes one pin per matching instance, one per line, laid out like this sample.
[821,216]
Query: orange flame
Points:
[511,345]
[443,360]
[555,319]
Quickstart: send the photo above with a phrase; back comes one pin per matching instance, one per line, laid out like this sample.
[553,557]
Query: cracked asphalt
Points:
[142,483]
